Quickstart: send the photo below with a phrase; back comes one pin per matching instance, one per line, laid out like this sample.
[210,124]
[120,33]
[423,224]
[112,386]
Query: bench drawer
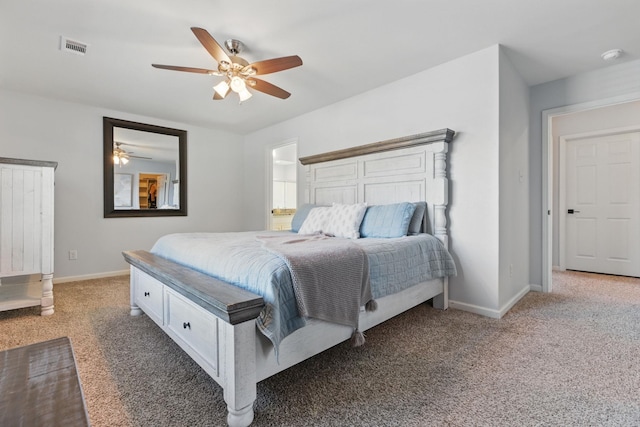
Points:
[149,296]
[194,327]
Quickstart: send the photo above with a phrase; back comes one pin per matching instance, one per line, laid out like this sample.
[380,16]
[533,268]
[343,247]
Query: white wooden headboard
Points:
[408,169]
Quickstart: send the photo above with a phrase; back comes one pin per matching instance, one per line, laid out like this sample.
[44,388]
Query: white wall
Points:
[71,134]
[514,186]
[608,83]
[611,117]
[461,95]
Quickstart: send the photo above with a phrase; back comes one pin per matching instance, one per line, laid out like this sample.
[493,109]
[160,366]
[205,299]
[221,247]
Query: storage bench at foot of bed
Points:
[212,321]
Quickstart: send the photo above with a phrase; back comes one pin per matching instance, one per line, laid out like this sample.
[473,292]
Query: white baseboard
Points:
[483,311]
[57,280]
[489,312]
[513,301]
[535,288]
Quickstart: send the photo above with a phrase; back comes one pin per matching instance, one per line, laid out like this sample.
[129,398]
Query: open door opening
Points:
[154,190]
[283,186]
[596,115]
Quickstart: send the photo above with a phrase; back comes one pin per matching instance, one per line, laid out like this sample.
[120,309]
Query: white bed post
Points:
[441,198]
[440,201]
[239,371]
[134,309]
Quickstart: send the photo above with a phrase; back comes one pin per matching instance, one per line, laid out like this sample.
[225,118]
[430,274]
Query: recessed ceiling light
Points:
[612,54]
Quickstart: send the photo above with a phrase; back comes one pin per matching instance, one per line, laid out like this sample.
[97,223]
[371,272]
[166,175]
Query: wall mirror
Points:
[145,169]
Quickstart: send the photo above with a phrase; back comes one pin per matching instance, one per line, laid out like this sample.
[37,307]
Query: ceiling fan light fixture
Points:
[222,88]
[120,157]
[237,84]
[244,94]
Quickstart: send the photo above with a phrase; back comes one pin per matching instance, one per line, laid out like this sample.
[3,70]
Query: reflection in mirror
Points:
[144,169]
[151,160]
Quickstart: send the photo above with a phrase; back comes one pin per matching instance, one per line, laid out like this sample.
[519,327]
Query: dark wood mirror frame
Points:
[108,125]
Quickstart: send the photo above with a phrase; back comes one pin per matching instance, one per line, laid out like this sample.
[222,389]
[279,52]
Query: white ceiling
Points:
[348,47]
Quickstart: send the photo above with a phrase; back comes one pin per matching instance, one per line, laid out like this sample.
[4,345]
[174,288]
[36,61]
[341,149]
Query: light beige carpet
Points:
[566,358]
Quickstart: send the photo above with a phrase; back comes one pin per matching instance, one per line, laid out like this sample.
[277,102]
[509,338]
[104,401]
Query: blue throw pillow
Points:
[416,221]
[387,220]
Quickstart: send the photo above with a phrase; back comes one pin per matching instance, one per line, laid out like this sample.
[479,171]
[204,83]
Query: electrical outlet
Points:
[73,254]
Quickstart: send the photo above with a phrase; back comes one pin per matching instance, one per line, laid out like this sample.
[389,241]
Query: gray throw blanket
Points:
[330,277]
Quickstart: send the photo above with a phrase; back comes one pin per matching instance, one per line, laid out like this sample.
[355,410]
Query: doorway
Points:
[599,226]
[154,190]
[283,188]
[550,157]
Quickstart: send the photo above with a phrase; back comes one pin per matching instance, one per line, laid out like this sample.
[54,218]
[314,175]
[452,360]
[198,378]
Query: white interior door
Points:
[602,204]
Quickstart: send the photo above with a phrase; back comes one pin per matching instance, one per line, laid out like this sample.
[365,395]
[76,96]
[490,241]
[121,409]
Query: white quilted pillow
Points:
[345,220]
[316,221]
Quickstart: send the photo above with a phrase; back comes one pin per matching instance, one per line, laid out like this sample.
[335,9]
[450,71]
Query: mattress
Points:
[238,258]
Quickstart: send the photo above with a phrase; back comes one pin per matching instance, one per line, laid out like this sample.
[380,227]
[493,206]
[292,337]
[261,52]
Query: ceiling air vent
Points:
[72,46]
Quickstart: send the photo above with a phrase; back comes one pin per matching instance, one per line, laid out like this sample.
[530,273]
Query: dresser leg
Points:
[46,302]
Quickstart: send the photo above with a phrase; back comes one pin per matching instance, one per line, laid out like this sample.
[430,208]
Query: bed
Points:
[226,323]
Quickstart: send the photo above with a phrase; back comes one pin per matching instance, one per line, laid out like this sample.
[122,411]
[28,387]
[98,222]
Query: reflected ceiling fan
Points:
[238,73]
[121,157]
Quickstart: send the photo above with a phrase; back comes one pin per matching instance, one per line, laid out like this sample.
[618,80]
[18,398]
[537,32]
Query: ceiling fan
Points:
[239,74]
[121,157]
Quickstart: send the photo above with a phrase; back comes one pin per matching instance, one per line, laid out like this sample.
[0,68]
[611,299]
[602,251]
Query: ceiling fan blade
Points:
[211,45]
[187,69]
[268,88]
[276,64]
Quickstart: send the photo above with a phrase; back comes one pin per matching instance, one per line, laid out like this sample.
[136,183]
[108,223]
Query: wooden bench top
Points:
[39,386]
[228,302]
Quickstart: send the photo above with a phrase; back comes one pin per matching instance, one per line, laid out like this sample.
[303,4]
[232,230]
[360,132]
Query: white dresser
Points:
[26,233]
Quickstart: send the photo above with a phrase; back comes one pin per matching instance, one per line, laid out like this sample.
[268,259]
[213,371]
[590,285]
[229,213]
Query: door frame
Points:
[268,156]
[547,173]
[562,191]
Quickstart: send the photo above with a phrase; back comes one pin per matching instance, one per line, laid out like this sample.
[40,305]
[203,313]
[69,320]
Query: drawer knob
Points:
[186,325]
[146,294]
